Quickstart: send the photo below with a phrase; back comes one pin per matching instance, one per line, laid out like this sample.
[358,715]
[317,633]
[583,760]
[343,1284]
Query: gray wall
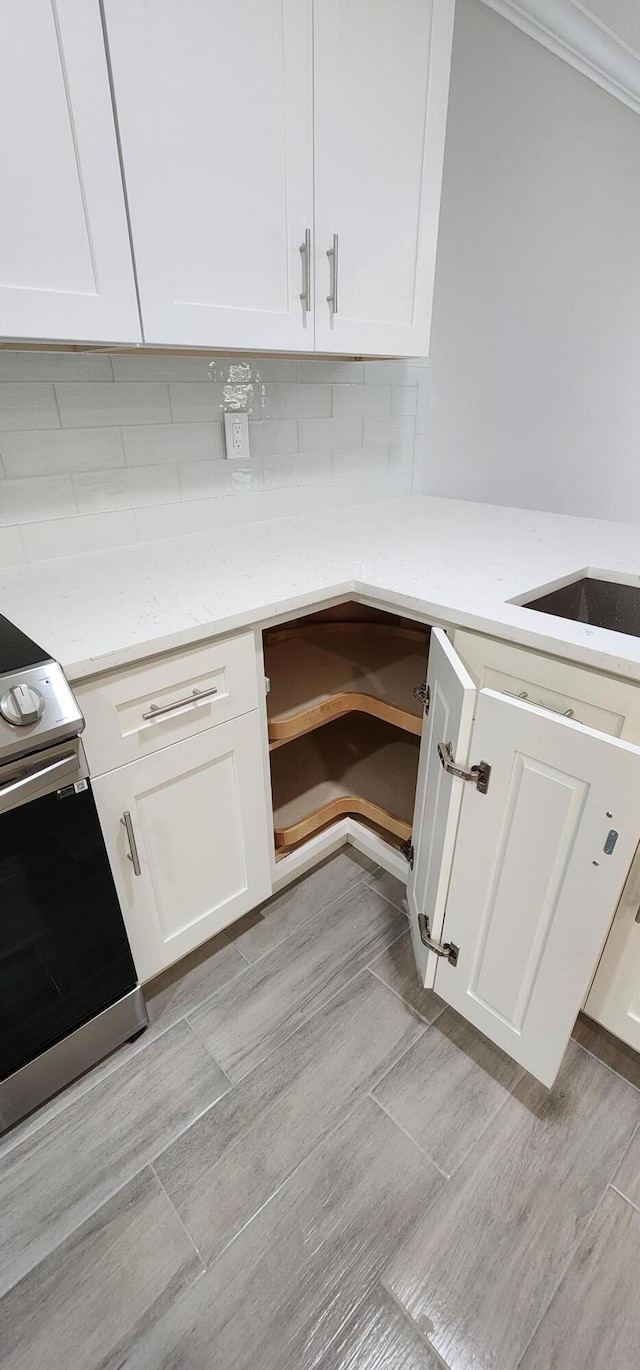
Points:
[535,358]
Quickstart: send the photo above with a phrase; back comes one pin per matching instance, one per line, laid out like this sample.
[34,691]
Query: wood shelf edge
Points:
[296,725]
[340,808]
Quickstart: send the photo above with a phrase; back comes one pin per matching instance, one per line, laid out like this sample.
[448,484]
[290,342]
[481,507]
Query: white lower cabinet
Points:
[188,839]
[614,997]
[516,878]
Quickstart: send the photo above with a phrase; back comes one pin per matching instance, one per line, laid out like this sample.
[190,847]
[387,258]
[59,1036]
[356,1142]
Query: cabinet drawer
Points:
[598,701]
[141,709]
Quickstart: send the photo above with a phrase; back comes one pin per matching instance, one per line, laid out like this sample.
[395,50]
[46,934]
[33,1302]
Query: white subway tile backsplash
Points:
[305,468]
[28,405]
[99,449]
[198,516]
[297,401]
[316,434]
[405,372]
[162,366]
[389,430]
[361,399]
[404,399]
[54,366]
[331,372]
[89,404]
[193,402]
[273,436]
[90,533]
[36,497]
[359,490]
[201,480]
[11,547]
[349,460]
[47,451]
[99,492]
[401,456]
[149,444]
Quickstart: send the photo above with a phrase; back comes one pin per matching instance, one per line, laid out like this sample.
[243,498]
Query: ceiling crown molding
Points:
[574,34]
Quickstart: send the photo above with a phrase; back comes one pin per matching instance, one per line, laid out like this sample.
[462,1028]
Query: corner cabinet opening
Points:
[345,712]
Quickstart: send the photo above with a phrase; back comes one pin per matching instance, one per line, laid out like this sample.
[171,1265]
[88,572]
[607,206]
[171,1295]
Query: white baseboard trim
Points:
[572,33]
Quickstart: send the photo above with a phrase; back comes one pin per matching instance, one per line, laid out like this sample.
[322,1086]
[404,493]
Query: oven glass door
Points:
[64,954]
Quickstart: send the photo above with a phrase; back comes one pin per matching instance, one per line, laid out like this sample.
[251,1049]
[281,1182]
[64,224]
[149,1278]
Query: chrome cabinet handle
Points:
[132,854]
[156,710]
[305,253]
[332,254]
[563,713]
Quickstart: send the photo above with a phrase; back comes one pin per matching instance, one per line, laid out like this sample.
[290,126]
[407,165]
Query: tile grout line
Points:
[566,1268]
[361,971]
[174,1210]
[605,1064]
[413,1324]
[407,1134]
[626,1198]
[210,1053]
[356,884]
[429,1021]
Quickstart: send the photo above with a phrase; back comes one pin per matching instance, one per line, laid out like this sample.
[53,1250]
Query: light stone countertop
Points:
[450,561]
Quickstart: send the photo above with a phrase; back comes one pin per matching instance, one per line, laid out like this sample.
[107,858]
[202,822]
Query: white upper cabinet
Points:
[532,877]
[381,82]
[65,260]
[214,104]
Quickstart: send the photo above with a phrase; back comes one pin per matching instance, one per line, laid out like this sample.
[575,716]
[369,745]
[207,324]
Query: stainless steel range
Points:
[68,987]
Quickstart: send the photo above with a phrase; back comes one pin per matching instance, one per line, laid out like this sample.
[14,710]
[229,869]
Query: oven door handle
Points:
[16,785]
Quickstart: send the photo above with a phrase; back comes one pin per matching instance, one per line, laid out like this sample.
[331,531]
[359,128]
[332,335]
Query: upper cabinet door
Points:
[65,259]
[214,104]
[381,84]
[539,863]
[449,716]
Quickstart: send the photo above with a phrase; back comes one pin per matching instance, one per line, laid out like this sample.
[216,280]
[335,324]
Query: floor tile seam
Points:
[605,1064]
[147,1163]
[145,1043]
[635,1134]
[322,1141]
[369,881]
[622,1195]
[312,917]
[405,1314]
[428,1021]
[490,1122]
[565,1271]
[411,1139]
[362,970]
[210,1053]
[174,1210]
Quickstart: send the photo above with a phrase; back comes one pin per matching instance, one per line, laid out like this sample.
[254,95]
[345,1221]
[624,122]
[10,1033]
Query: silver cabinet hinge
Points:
[267,684]
[449,950]
[423,693]
[408,852]
[478,775]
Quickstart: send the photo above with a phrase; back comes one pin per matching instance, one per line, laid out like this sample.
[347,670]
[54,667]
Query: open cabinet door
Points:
[539,863]
[449,716]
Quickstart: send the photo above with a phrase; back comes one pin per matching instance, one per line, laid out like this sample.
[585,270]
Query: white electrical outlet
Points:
[236,434]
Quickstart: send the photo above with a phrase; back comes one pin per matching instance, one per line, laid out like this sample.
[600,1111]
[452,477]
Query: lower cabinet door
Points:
[614,997]
[188,837]
[532,874]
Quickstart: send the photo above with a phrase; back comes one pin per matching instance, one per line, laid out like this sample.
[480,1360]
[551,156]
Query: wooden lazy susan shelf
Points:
[354,765]
[323,671]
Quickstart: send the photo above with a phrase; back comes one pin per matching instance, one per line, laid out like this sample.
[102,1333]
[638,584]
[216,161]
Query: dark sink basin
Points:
[603,603]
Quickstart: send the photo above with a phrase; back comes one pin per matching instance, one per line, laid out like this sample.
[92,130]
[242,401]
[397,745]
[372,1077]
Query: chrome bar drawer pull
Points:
[156,710]
[305,253]
[132,854]
[332,254]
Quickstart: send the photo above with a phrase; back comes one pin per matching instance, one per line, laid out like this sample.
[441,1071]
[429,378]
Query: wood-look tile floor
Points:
[308,1161]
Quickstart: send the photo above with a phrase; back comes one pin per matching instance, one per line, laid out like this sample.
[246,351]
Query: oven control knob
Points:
[22,704]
